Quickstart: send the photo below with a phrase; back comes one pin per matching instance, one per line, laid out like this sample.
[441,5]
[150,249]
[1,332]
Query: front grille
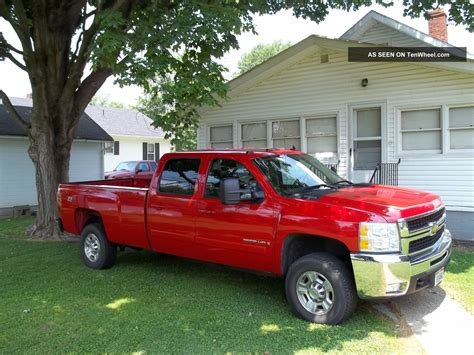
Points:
[423,222]
[425,242]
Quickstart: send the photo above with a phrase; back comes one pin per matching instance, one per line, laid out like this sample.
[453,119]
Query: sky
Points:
[282,26]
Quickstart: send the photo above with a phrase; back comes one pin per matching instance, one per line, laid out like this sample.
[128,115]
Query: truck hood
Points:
[117,174]
[390,202]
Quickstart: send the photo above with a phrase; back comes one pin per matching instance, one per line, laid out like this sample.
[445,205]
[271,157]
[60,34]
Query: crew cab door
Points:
[239,235]
[171,207]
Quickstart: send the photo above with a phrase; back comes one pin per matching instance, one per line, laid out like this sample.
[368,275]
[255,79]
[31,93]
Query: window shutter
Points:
[157,152]
[116,148]
[145,151]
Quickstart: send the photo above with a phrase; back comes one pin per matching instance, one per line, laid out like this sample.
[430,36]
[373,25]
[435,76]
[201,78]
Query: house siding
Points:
[381,34]
[131,148]
[17,186]
[309,88]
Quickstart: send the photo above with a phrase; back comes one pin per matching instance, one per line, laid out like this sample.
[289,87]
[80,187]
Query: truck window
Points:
[153,166]
[179,177]
[143,167]
[224,168]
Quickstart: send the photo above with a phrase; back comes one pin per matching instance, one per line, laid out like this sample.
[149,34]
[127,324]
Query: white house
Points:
[17,173]
[358,114]
[134,137]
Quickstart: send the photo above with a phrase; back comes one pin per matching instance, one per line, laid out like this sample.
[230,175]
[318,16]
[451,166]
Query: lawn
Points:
[50,302]
[459,280]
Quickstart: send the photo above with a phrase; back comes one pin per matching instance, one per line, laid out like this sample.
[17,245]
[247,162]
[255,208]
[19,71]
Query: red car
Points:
[276,211]
[127,169]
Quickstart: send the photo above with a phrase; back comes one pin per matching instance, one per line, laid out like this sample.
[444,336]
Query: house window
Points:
[421,130]
[321,135]
[150,151]
[109,147]
[286,134]
[461,128]
[254,135]
[221,137]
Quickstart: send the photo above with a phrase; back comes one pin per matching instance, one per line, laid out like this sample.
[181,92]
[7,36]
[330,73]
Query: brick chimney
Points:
[438,24]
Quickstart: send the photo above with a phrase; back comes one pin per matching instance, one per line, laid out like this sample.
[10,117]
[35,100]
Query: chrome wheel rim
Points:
[92,247]
[315,293]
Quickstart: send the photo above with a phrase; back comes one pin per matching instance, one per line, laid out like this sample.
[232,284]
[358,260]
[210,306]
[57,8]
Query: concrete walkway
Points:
[439,323]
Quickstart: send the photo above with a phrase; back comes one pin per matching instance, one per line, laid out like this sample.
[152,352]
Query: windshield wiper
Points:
[343,181]
[311,188]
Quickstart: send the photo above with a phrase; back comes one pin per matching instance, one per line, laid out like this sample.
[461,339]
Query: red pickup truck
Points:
[277,211]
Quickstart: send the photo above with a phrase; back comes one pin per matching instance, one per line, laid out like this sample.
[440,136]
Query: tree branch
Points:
[6,45]
[11,109]
[21,29]
[16,62]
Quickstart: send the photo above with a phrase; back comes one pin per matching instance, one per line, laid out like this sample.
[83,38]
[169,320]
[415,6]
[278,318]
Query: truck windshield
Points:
[292,174]
[126,165]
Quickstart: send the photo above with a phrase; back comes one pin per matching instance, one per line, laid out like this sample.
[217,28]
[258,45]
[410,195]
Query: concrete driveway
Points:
[439,323]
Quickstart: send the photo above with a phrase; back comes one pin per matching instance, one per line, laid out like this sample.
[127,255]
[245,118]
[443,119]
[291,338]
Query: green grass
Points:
[459,278]
[49,301]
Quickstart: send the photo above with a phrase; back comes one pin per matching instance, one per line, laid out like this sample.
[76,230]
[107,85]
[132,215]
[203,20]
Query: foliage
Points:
[259,54]
[151,303]
[104,101]
[183,135]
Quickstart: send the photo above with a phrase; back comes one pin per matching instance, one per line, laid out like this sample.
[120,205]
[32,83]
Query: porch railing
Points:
[333,166]
[386,174]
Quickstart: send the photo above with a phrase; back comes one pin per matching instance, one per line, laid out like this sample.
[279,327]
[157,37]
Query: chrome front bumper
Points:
[391,275]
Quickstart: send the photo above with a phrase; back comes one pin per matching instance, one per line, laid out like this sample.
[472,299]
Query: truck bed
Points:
[120,203]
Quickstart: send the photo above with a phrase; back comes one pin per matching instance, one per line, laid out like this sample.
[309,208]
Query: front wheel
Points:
[97,252]
[319,288]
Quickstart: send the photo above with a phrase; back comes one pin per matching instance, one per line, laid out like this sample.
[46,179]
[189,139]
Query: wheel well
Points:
[85,216]
[297,245]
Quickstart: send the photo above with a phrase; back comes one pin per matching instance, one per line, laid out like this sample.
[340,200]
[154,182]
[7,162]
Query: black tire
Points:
[106,252]
[343,293]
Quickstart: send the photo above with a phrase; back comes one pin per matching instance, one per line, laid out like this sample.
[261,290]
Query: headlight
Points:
[379,237]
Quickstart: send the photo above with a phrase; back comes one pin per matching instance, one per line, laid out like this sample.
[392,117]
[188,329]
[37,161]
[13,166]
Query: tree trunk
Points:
[50,153]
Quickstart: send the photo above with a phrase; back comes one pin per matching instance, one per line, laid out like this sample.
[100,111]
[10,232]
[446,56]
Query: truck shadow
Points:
[214,308]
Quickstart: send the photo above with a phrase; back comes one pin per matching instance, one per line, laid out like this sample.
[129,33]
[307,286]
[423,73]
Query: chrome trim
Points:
[375,274]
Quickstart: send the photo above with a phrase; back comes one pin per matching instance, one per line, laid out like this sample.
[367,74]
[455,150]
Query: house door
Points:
[365,142]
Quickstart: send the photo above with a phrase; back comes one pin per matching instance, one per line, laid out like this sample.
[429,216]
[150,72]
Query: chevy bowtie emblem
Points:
[434,228]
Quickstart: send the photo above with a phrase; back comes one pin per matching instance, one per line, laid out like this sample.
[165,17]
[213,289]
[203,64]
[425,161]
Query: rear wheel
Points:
[97,252]
[319,288]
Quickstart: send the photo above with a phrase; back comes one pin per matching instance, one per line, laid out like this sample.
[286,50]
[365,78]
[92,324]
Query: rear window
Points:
[179,177]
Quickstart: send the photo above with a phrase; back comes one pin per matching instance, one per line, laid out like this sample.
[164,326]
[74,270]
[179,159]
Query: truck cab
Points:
[275,211]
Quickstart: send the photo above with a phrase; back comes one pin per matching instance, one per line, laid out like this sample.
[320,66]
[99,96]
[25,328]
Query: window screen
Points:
[221,137]
[286,134]
[367,141]
[254,135]
[321,136]
[109,147]
[421,130]
[224,168]
[367,154]
[150,151]
[179,177]
[461,128]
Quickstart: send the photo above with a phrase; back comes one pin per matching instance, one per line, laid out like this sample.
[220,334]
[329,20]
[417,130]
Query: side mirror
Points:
[230,191]
[138,171]
[232,194]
